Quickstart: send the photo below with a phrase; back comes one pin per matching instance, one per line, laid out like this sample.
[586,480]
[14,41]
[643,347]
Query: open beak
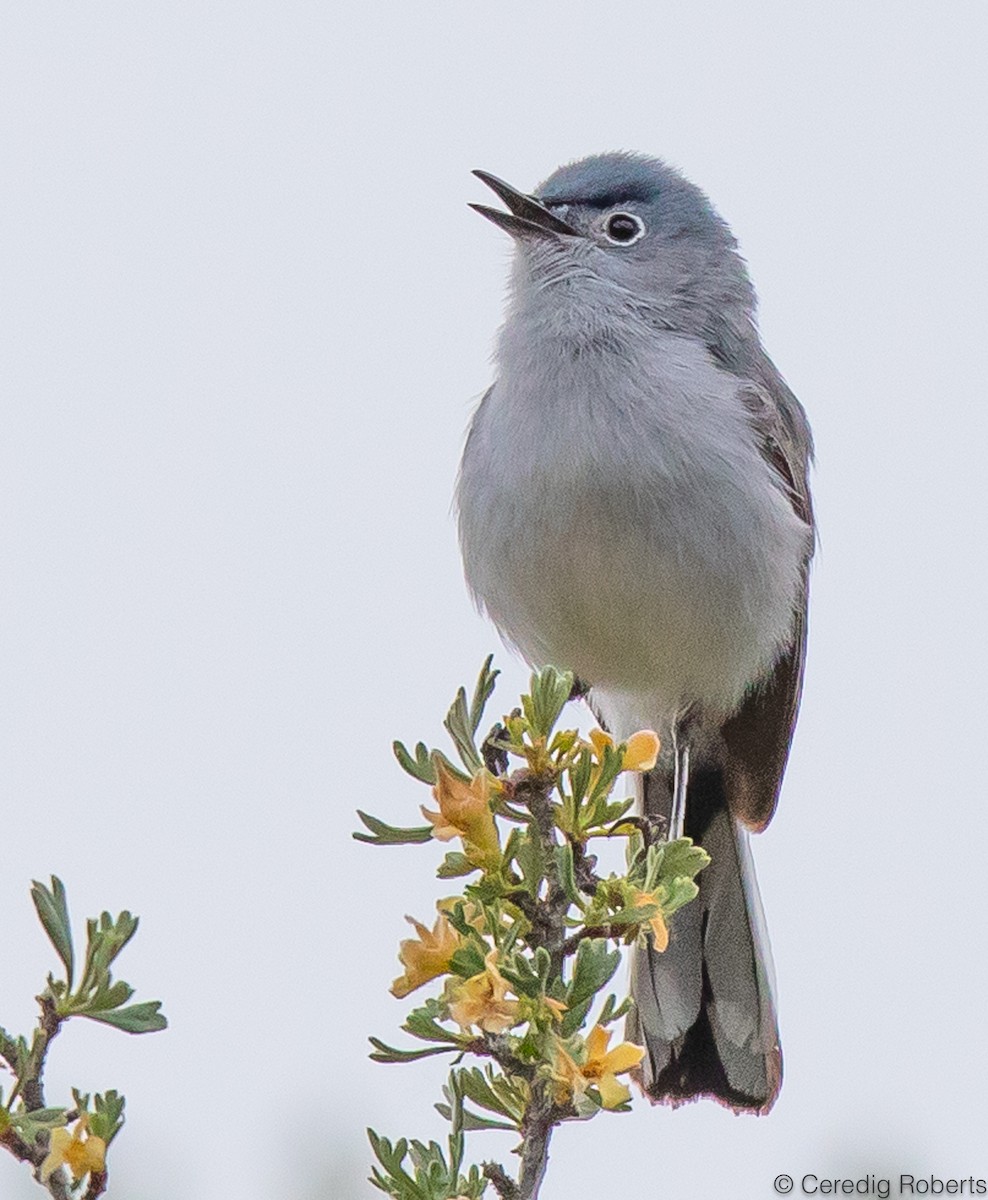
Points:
[528,217]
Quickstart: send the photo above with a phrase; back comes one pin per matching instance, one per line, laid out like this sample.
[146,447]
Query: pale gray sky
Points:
[246,314]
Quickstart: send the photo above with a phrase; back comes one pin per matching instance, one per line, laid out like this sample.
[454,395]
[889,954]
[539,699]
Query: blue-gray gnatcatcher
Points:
[634,507]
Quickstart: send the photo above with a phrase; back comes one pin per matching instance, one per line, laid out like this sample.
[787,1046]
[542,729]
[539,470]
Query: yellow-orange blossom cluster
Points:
[482,1001]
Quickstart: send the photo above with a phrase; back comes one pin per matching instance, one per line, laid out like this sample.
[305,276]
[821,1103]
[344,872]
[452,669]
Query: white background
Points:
[246,314]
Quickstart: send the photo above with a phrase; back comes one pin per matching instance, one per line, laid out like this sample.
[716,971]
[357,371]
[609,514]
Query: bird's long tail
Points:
[704,1008]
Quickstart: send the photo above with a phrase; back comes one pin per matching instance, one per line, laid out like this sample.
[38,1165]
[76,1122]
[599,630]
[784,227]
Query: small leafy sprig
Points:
[527,948]
[64,1160]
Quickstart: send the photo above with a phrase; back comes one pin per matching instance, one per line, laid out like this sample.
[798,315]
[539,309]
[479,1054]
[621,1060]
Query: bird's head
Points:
[631,232]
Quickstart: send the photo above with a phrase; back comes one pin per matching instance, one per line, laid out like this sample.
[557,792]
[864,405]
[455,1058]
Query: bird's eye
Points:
[624,228]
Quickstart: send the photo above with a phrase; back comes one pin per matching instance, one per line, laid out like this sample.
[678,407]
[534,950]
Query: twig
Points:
[549,932]
[8,1050]
[19,1148]
[97,1185]
[593,931]
[536,1131]
[494,1046]
[58,1189]
[504,1185]
[587,880]
[31,1084]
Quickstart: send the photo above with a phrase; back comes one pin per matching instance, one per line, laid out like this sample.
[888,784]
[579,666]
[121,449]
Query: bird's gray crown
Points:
[607,179]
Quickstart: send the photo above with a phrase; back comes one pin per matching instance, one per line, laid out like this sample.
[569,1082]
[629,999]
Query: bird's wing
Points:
[759,734]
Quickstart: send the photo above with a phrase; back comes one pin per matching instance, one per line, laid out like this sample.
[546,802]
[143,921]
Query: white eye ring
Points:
[623,228]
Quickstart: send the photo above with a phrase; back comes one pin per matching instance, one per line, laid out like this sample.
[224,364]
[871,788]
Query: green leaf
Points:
[382,834]
[528,856]
[116,934]
[107,1119]
[453,1092]
[9,1050]
[482,692]
[419,766]
[520,974]
[108,996]
[573,1018]
[670,860]
[456,914]
[467,960]
[634,915]
[610,769]
[478,1088]
[513,1094]
[53,912]
[549,691]
[593,966]
[454,865]
[383,1182]
[463,719]
[469,1083]
[430,1166]
[567,872]
[470,1121]
[677,893]
[531,1047]
[579,775]
[105,939]
[635,856]
[423,1023]
[613,812]
[391,1158]
[379,1181]
[385,1053]
[612,1011]
[138,1018]
[37,1119]
[457,724]
[484,891]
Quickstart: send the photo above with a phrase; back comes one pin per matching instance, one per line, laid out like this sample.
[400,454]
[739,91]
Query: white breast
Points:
[618,520]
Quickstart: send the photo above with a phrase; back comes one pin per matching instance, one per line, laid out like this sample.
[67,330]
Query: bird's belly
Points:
[621,522]
[682,590]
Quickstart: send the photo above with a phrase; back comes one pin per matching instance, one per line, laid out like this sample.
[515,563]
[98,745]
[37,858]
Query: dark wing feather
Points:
[758,736]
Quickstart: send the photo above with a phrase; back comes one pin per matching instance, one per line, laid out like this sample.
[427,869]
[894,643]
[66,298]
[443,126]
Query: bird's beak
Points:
[528,217]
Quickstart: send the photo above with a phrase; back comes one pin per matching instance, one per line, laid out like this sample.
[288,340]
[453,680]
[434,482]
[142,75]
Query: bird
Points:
[634,507]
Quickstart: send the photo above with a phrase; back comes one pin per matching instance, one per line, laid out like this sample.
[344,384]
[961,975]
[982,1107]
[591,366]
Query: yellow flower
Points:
[482,1000]
[425,957]
[600,741]
[641,750]
[600,1068]
[660,931]
[464,812]
[80,1154]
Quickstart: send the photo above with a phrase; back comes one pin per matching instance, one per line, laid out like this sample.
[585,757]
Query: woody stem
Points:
[537,1127]
[548,931]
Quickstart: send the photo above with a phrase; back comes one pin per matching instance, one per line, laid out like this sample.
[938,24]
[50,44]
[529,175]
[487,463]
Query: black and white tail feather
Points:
[704,1008]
